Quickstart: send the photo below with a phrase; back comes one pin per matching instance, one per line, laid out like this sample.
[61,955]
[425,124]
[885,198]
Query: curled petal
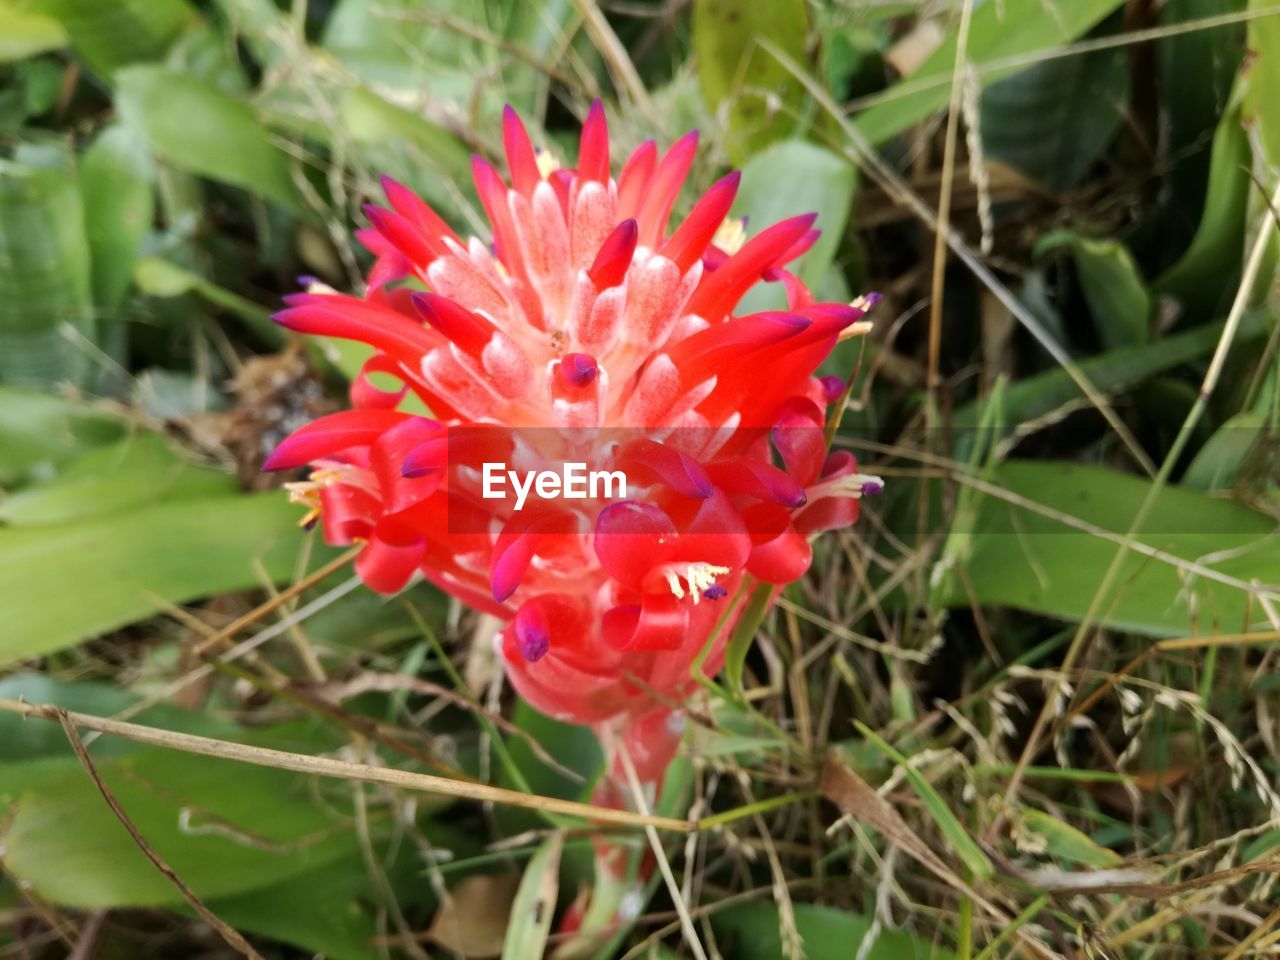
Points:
[779,554]
[385,567]
[631,539]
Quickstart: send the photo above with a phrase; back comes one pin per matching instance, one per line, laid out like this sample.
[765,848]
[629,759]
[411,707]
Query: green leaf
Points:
[749,931]
[27,33]
[1222,460]
[137,471]
[535,902]
[244,828]
[1065,842]
[46,323]
[157,277]
[22,739]
[1197,71]
[406,145]
[949,824]
[1033,397]
[1261,111]
[1054,120]
[39,432]
[109,34]
[763,95]
[117,181]
[796,177]
[997,30]
[744,632]
[125,566]
[323,911]
[1025,560]
[1113,287]
[1204,277]
[198,129]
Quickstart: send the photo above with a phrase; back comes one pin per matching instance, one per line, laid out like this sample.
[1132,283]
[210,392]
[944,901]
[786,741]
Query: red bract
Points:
[589,324]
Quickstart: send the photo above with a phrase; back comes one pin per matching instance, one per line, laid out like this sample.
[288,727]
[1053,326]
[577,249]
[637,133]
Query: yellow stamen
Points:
[307,492]
[731,235]
[547,162]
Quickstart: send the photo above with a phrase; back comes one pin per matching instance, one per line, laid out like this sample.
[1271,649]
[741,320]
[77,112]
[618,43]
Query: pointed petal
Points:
[521,160]
[330,435]
[593,151]
[693,236]
[613,260]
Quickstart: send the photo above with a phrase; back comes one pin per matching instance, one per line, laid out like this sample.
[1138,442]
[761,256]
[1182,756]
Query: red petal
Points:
[800,439]
[633,181]
[416,210]
[521,160]
[763,481]
[613,260]
[387,568]
[778,553]
[660,195]
[720,293]
[677,470]
[330,435]
[691,240]
[593,151]
[631,539]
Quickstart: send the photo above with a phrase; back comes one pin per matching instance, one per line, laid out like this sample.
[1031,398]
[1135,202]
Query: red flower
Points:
[587,330]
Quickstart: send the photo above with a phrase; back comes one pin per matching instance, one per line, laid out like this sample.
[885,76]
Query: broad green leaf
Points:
[225,828]
[46,322]
[1204,277]
[1033,397]
[157,277]
[1054,120]
[1014,28]
[24,739]
[1112,286]
[1261,111]
[535,902]
[949,824]
[126,566]
[199,129]
[1222,460]
[324,911]
[750,931]
[27,33]
[761,94]
[39,432]
[372,120]
[795,177]
[1065,842]
[416,49]
[109,34]
[117,181]
[1033,562]
[140,470]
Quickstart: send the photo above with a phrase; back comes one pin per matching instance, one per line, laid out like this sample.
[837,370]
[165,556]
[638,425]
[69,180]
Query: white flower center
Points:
[851,485]
[697,577]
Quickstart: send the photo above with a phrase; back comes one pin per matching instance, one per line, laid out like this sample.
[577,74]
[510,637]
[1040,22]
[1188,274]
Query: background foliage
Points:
[1037,681]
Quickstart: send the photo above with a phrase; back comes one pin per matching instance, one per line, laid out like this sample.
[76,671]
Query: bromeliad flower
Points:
[589,330]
